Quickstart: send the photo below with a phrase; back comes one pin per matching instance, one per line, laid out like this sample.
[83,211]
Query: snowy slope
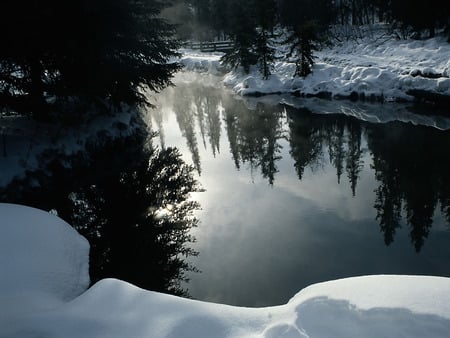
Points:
[42,251]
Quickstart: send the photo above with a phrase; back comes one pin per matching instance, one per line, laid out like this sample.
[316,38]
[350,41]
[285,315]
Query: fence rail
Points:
[210,46]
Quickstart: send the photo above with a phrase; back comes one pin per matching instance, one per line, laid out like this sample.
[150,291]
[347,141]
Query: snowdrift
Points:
[44,271]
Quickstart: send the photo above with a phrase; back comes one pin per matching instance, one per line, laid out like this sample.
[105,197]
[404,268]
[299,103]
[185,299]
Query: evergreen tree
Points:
[265,54]
[302,39]
[265,11]
[243,33]
[305,19]
[104,51]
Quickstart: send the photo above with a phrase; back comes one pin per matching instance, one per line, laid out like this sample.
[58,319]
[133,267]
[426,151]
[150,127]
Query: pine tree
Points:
[265,54]
[103,51]
[302,44]
[265,11]
[243,33]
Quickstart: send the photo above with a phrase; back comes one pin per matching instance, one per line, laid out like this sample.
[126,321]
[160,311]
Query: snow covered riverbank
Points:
[28,145]
[43,273]
[378,68]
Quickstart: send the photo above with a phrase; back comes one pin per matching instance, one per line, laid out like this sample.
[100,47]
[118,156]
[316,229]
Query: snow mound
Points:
[43,262]
[44,270]
[369,306]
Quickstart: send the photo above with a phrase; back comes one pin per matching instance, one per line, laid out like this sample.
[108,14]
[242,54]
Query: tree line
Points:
[250,24]
[217,15]
[94,55]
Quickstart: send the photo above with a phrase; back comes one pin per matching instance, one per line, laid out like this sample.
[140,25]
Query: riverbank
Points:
[28,145]
[376,68]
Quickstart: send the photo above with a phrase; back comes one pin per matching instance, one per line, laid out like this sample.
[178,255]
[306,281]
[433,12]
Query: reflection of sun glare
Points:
[163,212]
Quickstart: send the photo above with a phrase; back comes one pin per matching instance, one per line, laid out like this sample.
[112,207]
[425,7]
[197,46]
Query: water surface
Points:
[294,198]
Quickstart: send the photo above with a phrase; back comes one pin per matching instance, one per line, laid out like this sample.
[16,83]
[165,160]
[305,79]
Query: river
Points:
[291,194]
[293,197]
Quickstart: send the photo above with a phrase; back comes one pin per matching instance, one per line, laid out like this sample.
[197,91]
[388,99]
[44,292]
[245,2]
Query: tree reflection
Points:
[185,112]
[192,108]
[310,136]
[158,118]
[306,140]
[412,166]
[254,137]
[134,209]
[139,220]
[354,163]
[212,110]
[388,202]
[336,150]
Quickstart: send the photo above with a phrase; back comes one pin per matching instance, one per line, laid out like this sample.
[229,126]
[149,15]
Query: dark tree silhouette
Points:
[254,138]
[305,140]
[410,166]
[336,147]
[265,16]
[56,54]
[302,41]
[243,33]
[138,223]
[134,208]
[354,164]
[388,202]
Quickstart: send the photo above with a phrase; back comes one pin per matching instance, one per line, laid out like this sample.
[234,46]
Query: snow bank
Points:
[376,68]
[370,306]
[24,141]
[200,62]
[46,260]
[43,262]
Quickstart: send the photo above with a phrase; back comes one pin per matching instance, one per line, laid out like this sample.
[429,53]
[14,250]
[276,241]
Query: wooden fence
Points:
[210,46]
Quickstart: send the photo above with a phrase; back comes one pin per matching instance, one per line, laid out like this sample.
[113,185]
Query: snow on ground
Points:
[23,140]
[43,264]
[379,65]
[197,61]
[44,270]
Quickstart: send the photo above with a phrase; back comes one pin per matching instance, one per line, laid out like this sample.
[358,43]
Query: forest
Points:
[214,18]
[58,60]
[252,25]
